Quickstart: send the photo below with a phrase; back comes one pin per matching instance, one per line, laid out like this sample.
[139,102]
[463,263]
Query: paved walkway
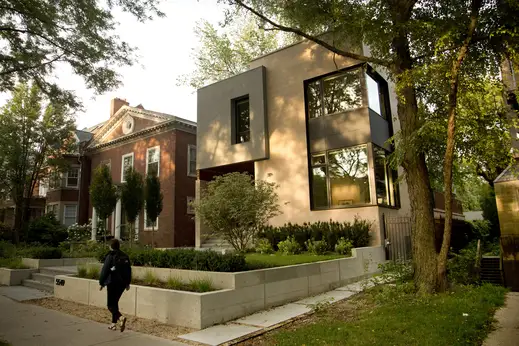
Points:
[507,329]
[29,325]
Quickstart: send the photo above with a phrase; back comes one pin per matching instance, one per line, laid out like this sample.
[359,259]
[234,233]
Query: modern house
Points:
[150,142]
[316,124]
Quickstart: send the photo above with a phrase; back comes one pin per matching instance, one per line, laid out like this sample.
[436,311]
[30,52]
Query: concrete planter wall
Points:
[43,263]
[14,277]
[241,293]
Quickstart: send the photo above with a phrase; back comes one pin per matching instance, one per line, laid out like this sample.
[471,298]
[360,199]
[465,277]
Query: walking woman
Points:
[116,275]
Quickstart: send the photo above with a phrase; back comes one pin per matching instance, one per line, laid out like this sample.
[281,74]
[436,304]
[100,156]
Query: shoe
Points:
[113,326]
[123,323]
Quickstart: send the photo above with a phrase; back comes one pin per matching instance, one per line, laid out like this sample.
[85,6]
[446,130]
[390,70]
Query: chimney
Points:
[116,104]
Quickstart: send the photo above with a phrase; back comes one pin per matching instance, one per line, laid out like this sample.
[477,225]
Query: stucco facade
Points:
[292,135]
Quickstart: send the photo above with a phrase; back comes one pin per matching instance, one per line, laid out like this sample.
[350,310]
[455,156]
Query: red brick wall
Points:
[185,187]
[164,236]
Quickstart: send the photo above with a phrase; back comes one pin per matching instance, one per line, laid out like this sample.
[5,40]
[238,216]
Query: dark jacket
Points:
[120,275]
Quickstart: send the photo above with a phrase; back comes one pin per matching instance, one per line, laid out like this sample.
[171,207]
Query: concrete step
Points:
[43,278]
[58,271]
[38,285]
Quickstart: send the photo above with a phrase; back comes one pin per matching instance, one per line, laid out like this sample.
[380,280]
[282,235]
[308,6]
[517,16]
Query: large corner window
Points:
[386,179]
[73,177]
[153,161]
[191,160]
[127,163]
[336,94]
[340,178]
[241,120]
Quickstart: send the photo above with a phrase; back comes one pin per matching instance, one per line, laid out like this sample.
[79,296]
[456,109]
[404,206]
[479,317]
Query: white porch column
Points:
[94,224]
[117,233]
[136,236]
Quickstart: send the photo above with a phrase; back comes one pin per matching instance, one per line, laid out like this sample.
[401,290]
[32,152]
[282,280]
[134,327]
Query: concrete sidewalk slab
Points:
[274,316]
[28,325]
[507,326]
[219,334]
[21,293]
[328,297]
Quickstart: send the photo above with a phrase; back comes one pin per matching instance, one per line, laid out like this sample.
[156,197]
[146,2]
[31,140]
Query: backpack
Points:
[121,268]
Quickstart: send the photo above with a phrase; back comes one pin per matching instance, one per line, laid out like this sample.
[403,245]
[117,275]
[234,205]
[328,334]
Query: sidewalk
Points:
[28,325]
[507,326]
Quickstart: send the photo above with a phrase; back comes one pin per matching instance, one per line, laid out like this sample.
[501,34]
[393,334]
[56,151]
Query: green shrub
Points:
[174,283]
[316,247]
[6,233]
[461,267]
[7,249]
[89,271]
[46,230]
[289,246]
[41,252]
[82,271]
[357,232]
[399,271]
[78,232]
[344,247]
[263,246]
[12,263]
[201,285]
[150,278]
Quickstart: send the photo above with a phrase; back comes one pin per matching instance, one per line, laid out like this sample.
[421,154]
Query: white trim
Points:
[189,147]
[64,212]
[144,223]
[122,164]
[147,159]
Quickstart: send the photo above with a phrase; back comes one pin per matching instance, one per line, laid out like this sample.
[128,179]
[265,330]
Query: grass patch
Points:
[396,316]
[256,260]
[89,272]
[12,263]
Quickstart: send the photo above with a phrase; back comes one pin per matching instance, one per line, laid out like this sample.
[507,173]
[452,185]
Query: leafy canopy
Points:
[103,192]
[235,207]
[153,197]
[39,36]
[132,194]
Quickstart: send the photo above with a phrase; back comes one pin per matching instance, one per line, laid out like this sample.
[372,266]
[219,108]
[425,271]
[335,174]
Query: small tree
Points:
[103,194]
[132,197]
[235,207]
[153,197]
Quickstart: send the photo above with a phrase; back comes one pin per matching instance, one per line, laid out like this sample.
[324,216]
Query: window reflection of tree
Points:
[319,188]
[314,99]
[350,162]
[342,92]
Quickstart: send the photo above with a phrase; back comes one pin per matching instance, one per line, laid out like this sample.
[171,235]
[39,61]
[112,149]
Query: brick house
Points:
[148,141]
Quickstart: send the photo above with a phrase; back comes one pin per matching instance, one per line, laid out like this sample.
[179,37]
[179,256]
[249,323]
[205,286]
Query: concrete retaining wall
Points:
[242,293]
[14,277]
[59,262]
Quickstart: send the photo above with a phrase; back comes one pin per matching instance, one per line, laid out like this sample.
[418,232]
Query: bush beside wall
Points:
[358,232]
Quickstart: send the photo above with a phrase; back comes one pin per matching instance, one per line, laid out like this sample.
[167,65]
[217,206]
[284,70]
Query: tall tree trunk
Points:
[417,176]
[18,220]
[451,142]
[153,235]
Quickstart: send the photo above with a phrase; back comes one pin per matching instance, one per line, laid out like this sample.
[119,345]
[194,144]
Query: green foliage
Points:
[489,207]
[82,271]
[259,261]
[41,252]
[263,246]
[7,249]
[201,285]
[316,247]
[357,232]
[174,283]
[132,198]
[46,230]
[78,232]
[12,263]
[344,247]
[153,197]
[6,233]
[42,35]
[150,278]
[103,193]
[89,272]
[183,259]
[289,246]
[33,137]
[227,51]
[89,249]
[461,267]
[399,271]
[235,207]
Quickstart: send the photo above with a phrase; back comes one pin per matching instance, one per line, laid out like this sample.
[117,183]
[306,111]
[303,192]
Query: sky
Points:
[164,53]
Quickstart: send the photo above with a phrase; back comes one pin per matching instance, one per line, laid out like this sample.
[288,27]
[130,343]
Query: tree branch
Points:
[313,38]
[27,68]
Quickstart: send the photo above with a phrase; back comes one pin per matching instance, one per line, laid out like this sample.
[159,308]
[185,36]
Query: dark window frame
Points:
[235,120]
[383,93]
[392,187]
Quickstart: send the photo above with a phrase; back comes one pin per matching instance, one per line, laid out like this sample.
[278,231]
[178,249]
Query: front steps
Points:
[491,270]
[44,280]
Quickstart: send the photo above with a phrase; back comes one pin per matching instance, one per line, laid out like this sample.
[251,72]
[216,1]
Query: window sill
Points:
[150,230]
[345,207]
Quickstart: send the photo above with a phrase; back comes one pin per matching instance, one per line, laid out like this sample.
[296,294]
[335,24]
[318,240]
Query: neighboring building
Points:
[316,124]
[474,215]
[153,142]
[62,190]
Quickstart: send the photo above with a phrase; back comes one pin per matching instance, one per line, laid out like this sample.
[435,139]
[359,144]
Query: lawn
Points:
[389,316]
[279,260]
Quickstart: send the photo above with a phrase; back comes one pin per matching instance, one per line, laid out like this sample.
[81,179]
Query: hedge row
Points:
[184,259]
[357,232]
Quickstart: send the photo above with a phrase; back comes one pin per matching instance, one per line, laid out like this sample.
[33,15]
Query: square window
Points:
[127,162]
[191,160]
[241,115]
[153,161]
[73,177]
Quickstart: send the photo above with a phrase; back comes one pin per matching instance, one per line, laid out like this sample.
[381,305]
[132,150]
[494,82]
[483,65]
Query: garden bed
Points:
[14,277]
[240,294]
[257,260]
[55,262]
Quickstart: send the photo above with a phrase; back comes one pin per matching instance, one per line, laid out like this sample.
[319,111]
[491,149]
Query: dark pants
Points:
[114,293]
